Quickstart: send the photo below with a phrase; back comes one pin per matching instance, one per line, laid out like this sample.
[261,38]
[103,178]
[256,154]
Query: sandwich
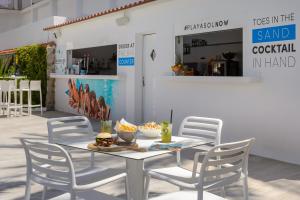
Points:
[104,139]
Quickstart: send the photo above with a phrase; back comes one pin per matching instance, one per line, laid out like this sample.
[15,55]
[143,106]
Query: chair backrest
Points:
[35,85]
[7,87]
[49,165]
[1,81]
[12,85]
[4,86]
[208,129]
[24,84]
[74,128]
[224,164]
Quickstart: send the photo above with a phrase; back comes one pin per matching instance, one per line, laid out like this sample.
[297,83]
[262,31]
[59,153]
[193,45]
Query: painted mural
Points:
[92,98]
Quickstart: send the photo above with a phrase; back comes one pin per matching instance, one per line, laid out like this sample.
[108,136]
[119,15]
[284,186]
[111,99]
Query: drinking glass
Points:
[106,126]
[166,132]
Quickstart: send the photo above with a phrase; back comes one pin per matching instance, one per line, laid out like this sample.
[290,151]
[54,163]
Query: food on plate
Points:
[150,129]
[150,126]
[104,139]
[125,127]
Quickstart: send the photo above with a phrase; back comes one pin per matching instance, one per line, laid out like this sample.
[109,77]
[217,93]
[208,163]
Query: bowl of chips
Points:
[150,130]
[126,131]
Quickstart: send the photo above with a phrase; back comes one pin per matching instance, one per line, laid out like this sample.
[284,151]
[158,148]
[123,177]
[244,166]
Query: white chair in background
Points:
[9,87]
[1,95]
[72,128]
[24,87]
[35,86]
[222,165]
[4,95]
[56,172]
[208,129]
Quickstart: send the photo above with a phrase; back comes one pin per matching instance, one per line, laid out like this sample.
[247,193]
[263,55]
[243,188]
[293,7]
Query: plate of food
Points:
[150,130]
[106,142]
[103,142]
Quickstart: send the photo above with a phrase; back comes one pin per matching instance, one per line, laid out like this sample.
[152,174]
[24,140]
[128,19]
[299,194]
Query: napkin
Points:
[167,146]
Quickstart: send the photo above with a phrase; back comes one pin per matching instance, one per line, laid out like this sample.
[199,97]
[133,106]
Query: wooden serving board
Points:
[116,148]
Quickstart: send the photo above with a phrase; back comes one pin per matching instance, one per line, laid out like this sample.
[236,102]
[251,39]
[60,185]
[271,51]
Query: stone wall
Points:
[50,97]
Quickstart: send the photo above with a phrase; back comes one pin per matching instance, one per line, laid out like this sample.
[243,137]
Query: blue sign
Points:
[126,61]
[273,34]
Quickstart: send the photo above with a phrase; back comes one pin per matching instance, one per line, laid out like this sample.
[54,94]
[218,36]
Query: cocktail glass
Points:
[166,132]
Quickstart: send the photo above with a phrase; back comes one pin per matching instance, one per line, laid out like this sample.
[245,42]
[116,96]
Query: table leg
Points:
[135,175]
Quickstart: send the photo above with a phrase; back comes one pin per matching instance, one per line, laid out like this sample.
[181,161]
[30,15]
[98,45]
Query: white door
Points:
[149,65]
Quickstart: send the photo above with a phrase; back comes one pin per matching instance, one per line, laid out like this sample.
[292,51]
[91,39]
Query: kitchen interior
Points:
[93,61]
[218,53]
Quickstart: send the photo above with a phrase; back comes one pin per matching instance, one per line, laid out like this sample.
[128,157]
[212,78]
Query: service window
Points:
[93,61]
[217,53]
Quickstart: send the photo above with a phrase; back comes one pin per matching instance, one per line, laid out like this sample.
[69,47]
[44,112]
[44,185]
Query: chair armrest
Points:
[99,183]
[196,160]
[172,181]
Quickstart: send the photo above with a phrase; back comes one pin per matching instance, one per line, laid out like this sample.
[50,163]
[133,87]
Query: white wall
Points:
[66,8]
[9,21]
[29,34]
[48,8]
[267,110]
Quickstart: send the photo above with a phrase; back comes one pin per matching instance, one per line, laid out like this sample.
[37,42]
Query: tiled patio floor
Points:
[269,179]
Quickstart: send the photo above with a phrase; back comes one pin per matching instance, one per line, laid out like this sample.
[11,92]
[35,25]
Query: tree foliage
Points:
[32,63]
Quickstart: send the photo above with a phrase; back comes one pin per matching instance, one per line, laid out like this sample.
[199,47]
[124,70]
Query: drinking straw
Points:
[108,114]
[171,117]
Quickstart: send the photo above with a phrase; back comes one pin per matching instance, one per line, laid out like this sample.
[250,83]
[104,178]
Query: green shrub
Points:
[7,67]
[32,63]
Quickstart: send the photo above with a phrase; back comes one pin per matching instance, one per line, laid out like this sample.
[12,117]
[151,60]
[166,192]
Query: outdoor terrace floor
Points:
[269,179]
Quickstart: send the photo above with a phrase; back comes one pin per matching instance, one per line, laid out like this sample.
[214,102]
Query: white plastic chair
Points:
[1,95]
[74,128]
[7,87]
[35,86]
[223,165]
[208,129]
[57,172]
[24,87]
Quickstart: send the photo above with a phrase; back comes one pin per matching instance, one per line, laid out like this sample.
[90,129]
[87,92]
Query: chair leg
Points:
[178,159]
[73,196]
[200,194]
[27,190]
[8,111]
[147,183]
[245,187]
[223,192]
[15,103]
[92,165]
[41,102]
[21,102]
[44,193]
[127,188]
[29,102]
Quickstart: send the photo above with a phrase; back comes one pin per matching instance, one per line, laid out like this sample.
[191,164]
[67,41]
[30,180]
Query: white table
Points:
[135,160]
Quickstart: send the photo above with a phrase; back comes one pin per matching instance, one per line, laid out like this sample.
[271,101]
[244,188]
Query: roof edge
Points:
[99,14]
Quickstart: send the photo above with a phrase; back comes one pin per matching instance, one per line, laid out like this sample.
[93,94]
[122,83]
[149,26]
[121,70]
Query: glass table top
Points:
[142,142]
